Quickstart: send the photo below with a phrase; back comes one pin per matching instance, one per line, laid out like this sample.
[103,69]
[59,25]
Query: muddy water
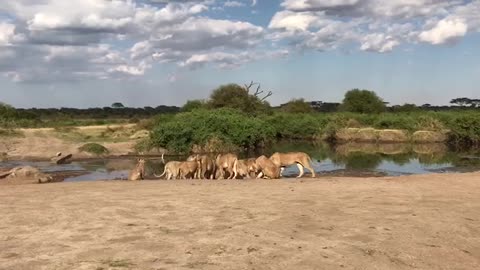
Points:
[342,160]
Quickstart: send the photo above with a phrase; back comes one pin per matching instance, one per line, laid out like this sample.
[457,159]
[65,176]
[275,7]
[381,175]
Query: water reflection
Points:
[346,159]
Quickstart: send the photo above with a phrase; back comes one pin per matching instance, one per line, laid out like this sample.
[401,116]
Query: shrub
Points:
[94,148]
[297,106]
[294,126]
[362,101]
[465,129]
[237,97]
[198,127]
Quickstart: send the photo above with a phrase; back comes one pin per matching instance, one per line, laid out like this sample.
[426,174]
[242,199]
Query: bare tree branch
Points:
[247,87]
[257,92]
[266,96]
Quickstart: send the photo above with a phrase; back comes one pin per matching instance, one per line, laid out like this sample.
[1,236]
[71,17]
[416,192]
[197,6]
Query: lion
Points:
[207,166]
[189,169]
[171,170]
[286,159]
[265,168]
[245,167]
[138,173]
[226,163]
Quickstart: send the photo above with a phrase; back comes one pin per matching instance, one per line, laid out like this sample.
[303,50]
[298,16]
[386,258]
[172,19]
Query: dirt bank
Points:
[421,222]
[44,143]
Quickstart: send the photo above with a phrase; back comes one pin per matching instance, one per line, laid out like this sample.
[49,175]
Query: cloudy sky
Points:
[85,53]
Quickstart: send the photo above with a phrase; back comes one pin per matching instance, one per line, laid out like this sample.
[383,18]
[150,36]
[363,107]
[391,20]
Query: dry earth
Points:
[44,143]
[414,222]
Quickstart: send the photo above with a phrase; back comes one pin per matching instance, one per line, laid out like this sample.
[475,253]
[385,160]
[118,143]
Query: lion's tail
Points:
[162,175]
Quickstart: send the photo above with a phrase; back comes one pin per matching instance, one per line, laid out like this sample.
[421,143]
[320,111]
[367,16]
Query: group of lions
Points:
[228,166]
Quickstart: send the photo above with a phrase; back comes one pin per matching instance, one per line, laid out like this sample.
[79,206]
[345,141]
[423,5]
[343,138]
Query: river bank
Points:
[425,222]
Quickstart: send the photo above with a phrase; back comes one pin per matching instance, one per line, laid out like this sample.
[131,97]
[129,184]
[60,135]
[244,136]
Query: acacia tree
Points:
[117,105]
[463,102]
[362,101]
[241,98]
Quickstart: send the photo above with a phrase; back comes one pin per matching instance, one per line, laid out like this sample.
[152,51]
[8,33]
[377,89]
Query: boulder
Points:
[366,135]
[60,159]
[346,134]
[424,136]
[392,136]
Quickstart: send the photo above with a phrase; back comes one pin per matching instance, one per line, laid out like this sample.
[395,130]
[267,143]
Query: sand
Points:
[408,222]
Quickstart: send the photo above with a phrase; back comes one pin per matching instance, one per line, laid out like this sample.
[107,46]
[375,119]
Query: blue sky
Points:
[152,52]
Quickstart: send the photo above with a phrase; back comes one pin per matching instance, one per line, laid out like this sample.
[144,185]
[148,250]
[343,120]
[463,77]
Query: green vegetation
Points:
[94,148]
[237,117]
[180,132]
[225,126]
[194,105]
[297,106]
[240,98]
[362,101]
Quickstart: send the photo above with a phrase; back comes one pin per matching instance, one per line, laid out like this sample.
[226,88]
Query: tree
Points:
[463,102]
[238,97]
[362,101]
[117,105]
[7,111]
[297,106]
[193,105]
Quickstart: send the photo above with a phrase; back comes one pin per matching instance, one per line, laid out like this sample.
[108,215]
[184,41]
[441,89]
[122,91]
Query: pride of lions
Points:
[228,166]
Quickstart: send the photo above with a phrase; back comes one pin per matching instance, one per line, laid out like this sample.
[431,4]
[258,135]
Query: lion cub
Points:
[138,173]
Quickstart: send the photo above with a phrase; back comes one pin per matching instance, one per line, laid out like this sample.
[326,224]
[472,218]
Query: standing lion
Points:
[225,163]
[301,159]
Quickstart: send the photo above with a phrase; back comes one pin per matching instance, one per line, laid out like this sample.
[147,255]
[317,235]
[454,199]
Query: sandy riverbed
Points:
[414,222]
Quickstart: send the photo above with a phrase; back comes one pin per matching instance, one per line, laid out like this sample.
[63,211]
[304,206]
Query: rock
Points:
[392,136]
[424,136]
[346,134]
[59,159]
[356,135]
[366,135]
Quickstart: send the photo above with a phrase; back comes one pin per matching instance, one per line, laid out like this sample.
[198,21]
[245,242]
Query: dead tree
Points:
[257,92]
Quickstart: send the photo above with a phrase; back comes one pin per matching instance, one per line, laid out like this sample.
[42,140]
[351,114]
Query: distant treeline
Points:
[147,112]
[96,113]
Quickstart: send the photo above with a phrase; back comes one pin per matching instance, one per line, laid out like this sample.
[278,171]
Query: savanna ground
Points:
[408,222]
[44,143]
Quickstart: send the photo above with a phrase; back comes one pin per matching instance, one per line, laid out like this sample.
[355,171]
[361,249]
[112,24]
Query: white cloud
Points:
[292,21]
[234,4]
[379,43]
[445,31]
[374,25]
[7,33]
[303,5]
[77,39]
[43,40]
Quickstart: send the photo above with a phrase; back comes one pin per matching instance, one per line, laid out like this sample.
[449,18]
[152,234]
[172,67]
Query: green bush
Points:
[198,127]
[362,101]
[94,148]
[465,128]
[295,126]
